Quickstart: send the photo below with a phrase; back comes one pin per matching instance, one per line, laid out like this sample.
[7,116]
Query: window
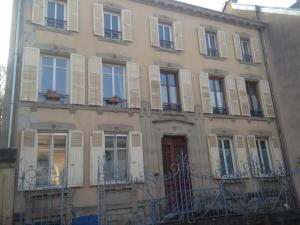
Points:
[165,36]
[212,46]
[227,158]
[264,156]
[114,85]
[246,50]
[252,92]
[115,158]
[56,14]
[51,159]
[112,28]
[169,91]
[217,95]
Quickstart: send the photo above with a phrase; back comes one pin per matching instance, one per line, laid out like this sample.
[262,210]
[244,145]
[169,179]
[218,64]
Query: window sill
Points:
[160,49]
[248,63]
[115,41]
[214,57]
[232,117]
[60,31]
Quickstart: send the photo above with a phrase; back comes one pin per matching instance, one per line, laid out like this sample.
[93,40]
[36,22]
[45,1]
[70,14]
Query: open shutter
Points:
[232,96]
[95,80]
[97,157]
[266,99]
[186,90]
[73,15]
[28,160]
[254,159]
[237,47]
[278,162]
[241,156]
[243,97]
[77,78]
[126,25]
[30,74]
[255,49]
[222,42]
[178,35]
[98,19]
[38,9]
[154,38]
[133,82]
[136,156]
[205,92]
[75,158]
[155,91]
[202,40]
[214,155]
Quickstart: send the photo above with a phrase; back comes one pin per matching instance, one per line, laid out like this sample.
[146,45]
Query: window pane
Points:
[229,160]
[109,142]
[211,85]
[43,161]
[47,79]
[161,32]
[59,154]
[173,95]
[51,10]
[167,34]
[61,63]
[218,85]
[122,162]
[47,61]
[60,12]
[109,166]
[222,163]
[61,81]
[122,142]
[172,80]
[226,144]
[212,99]
[115,23]
[118,70]
[119,86]
[107,86]
[164,94]
[107,70]
[107,24]
[220,99]
[163,79]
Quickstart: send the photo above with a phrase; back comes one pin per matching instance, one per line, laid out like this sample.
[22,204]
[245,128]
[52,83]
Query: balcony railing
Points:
[257,113]
[166,44]
[115,101]
[213,52]
[220,110]
[247,58]
[113,34]
[55,23]
[171,107]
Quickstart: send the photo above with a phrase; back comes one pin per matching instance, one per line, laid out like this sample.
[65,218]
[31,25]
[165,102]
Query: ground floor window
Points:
[227,157]
[264,157]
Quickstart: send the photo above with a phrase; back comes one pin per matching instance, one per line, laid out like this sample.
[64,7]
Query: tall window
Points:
[56,14]
[252,92]
[51,159]
[169,91]
[264,156]
[112,27]
[227,158]
[246,50]
[116,148]
[217,95]
[165,36]
[212,44]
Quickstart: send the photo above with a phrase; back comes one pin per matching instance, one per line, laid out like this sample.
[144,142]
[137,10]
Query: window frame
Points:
[64,3]
[248,58]
[258,141]
[171,41]
[210,50]
[253,112]
[233,157]
[119,31]
[224,108]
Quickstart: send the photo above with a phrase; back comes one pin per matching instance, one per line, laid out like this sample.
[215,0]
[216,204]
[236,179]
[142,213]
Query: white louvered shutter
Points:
[277,157]
[77,79]
[178,35]
[254,159]
[266,99]
[237,47]
[28,160]
[30,74]
[133,82]
[98,19]
[155,90]
[243,97]
[255,49]
[154,37]
[202,40]
[126,25]
[214,155]
[73,14]
[38,9]
[75,158]
[136,156]
[97,157]
[186,90]
[95,81]
[241,156]
[205,92]
[232,96]
[222,42]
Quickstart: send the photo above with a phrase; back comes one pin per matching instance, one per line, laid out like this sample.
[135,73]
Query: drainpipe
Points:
[14,75]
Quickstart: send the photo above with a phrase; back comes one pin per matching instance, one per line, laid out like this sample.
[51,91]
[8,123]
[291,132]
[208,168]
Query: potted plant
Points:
[53,95]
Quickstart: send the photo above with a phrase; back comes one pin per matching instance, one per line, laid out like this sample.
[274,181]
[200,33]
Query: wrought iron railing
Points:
[166,44]
[115,101]
[56,23]
[220,110]
[113,34]
[172,107]
[63,99]
[213,52]
[257,113]
[247,58]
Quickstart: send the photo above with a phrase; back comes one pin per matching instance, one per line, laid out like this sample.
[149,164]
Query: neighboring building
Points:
[110,93]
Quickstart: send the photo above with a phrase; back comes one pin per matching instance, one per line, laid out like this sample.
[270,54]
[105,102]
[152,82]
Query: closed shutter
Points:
[95,80]
[205,92]
[202,40]
[266,99]
[136,156]
[186,90]
[254,159]
[243,97]
[255,49]
[28,160]
[77,78]
[97,157]
[278,162]
[222,41]
[75,158]
[237,47]
[154,38]
[178,35]
[155,91]
[30,74]
[241,156]
[73,15]
[126,25]
[38,9]
[98,19]
[214,155]
[133,78]
[232,96]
